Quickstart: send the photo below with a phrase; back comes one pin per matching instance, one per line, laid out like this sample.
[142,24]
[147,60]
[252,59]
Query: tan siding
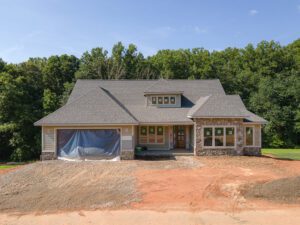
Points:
[48,139]
[127,131]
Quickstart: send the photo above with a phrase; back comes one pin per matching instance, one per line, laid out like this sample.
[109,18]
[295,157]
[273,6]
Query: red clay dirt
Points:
[214,186]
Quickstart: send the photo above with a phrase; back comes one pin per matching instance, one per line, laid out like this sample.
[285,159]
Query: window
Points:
[153,100]
[160,100]
[160,130]
[172,99]
[207,136]
[163,100]
[144,131]
[249,136]
[152,135]
[143,136]
[229,136]
[166,100]
[160,135]
[219,136]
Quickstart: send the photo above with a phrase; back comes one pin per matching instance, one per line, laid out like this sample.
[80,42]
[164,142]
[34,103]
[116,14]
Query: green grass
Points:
[3,167]
[281,153]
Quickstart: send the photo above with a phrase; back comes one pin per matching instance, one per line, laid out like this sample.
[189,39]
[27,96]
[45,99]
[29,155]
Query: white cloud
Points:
[253,12]
[199,30]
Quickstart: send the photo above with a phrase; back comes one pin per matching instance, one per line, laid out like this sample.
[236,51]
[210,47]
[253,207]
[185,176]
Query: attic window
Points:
[163,100]
[166,100]
[172,99]
[154,100]
[160,100]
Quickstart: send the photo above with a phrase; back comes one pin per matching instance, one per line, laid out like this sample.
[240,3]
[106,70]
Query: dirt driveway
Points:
[228,187]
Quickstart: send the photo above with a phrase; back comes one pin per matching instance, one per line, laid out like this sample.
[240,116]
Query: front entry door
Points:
[180,137]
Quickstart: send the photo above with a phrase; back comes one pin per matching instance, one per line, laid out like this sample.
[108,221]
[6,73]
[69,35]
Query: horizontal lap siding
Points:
[48,139]
[127,138]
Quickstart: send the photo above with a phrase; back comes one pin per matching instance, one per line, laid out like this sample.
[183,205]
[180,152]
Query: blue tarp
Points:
[88,144]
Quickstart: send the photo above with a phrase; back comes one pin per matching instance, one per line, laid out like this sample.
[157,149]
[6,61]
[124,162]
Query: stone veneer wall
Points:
[48,156]
[238,150]
[252,151]
[127,154]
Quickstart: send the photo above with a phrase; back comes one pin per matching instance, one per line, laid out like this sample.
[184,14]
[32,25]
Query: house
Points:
[109,118]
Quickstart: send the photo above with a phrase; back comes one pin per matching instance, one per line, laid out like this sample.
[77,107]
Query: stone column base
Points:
[48,156]
[212,152]
[252,151]
[127,154]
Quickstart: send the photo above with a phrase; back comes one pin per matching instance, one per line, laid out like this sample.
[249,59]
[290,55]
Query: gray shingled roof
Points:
[254,118]
[222,106]
[131,94]
[95,107]
[123,102]
[162,86]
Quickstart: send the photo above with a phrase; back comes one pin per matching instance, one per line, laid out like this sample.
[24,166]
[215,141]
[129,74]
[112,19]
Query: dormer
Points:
[162,94]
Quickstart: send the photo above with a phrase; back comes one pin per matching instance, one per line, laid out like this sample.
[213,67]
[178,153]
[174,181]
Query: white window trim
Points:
[245,134]
[156,99]
[224,137]
[151,143]
[163,98]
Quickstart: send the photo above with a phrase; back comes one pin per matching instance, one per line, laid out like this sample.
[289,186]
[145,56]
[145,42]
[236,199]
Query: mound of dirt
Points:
[51,186]
[285,190]
[60,185]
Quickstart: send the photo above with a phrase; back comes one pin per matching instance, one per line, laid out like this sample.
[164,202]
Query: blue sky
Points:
[35,28]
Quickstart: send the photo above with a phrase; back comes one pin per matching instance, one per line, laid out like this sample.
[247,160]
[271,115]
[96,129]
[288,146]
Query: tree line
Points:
[266,76]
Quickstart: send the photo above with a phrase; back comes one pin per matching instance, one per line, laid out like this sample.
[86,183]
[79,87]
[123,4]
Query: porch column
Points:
[171,137]
[187,138]
[127,142]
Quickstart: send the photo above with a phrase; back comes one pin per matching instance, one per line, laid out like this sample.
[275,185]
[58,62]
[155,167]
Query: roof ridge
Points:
[206,98]
[156,81]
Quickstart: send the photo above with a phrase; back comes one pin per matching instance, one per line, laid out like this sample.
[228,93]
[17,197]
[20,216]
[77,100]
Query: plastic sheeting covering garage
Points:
[89,144]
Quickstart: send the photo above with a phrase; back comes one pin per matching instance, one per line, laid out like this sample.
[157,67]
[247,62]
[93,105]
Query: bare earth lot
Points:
[188,190]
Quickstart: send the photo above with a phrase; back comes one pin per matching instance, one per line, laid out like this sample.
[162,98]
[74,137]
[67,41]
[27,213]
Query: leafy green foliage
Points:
[266,76]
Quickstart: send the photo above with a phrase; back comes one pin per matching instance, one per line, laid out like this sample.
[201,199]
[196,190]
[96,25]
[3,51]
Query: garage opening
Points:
[91,144]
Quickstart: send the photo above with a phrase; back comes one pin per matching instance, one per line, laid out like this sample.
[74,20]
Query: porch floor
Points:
[165,153]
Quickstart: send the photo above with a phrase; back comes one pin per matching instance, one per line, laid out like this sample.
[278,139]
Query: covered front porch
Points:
[160,139]
[164,153]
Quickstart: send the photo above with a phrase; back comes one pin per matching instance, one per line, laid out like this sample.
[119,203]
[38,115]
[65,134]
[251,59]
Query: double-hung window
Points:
[249,136]
[143,134]
[218,136]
